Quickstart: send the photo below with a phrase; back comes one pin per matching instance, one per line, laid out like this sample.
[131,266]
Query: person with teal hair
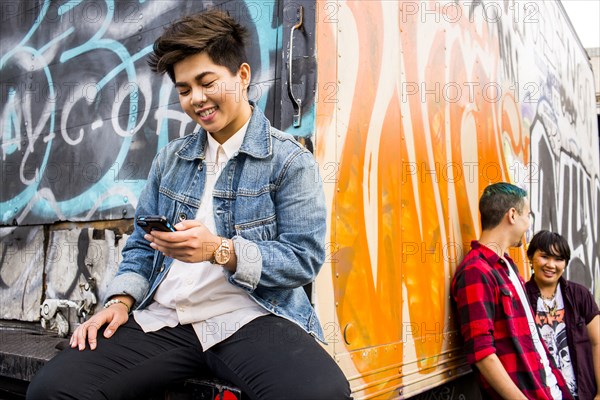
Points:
[501,340]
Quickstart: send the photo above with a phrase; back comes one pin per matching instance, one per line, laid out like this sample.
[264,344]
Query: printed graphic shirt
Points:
[492,320]
[580,309]
[544,356]
[550,318]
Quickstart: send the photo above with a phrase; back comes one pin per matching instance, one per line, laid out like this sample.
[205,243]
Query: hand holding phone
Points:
[151,223]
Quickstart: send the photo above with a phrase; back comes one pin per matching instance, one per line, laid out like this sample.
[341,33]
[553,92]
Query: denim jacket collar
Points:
[257,142]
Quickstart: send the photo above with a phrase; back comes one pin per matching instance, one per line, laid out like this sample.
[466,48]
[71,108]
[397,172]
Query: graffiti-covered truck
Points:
[411,108]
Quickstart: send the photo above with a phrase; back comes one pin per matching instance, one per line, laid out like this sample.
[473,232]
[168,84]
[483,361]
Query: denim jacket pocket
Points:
[263,230]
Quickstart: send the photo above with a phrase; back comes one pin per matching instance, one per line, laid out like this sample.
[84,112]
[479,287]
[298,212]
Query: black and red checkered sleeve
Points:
[475,300]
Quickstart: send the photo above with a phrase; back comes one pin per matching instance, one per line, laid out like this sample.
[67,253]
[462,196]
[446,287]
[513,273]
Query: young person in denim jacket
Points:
[223,296]
[566,314]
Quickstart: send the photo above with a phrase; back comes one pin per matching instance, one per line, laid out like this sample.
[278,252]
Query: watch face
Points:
[222,255]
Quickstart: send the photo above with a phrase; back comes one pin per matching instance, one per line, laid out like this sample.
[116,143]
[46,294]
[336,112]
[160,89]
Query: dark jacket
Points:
[580,309]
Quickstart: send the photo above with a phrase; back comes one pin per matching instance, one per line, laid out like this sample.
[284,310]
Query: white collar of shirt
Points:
[230,147]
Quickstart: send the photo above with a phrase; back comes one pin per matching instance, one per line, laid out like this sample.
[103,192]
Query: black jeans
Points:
[269,358]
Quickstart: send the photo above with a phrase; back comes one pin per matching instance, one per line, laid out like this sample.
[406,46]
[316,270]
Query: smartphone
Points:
[151,223]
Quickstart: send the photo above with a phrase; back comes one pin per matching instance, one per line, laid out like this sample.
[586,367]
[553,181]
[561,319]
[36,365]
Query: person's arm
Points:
[132,279]
[290,260]
[593,329]
[115,316]
[192,242]
[294,254]
[136,268]
[473,292]
[494,373]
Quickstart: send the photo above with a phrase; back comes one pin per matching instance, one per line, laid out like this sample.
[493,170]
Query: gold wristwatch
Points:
[222,254]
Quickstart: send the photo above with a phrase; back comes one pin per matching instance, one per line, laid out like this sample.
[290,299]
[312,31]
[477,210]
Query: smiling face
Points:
[547,267]
[212,96]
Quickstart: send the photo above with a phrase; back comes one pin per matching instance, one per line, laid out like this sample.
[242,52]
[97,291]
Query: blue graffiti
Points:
[50,122]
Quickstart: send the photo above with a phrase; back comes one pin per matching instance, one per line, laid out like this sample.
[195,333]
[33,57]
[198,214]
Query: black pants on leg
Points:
[269,358]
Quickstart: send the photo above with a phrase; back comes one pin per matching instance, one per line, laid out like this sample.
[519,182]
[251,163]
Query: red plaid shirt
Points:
[492,320]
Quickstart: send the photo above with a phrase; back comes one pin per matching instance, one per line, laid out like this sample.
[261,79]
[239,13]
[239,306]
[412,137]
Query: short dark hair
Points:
[550,243]
[496,200]
[211,31]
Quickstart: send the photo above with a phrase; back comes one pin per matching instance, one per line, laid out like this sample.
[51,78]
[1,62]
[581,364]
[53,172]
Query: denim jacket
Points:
[269,200]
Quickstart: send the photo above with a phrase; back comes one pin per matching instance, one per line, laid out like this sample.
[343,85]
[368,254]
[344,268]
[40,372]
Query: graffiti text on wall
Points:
[82,116]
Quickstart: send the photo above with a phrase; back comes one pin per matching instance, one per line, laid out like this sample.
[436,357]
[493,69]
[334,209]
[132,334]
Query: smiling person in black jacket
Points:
[566,315]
